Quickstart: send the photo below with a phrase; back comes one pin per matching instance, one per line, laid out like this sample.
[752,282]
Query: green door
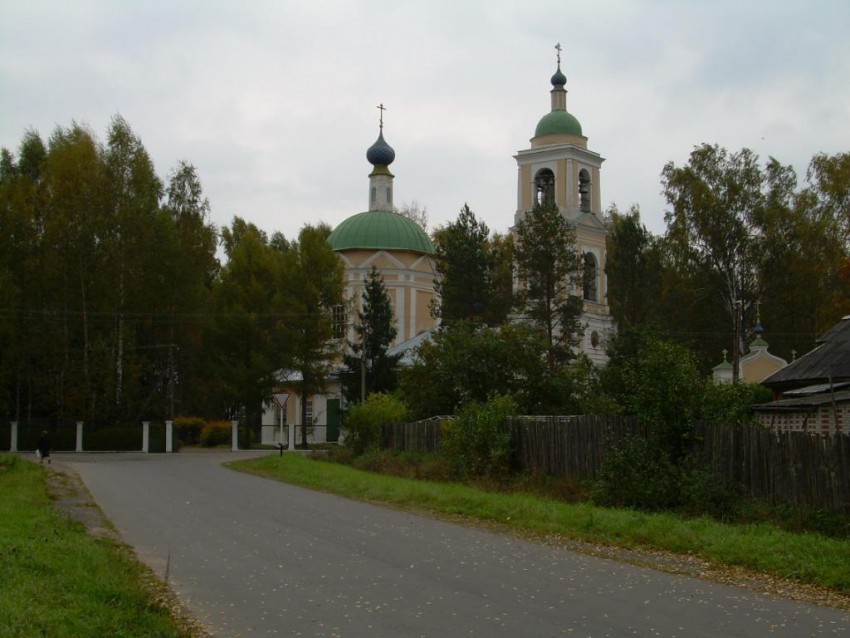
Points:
[333,420]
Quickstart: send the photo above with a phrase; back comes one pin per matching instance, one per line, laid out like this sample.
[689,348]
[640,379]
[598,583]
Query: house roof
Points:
[409,349]
[828,362]
[803,404]
[816,389]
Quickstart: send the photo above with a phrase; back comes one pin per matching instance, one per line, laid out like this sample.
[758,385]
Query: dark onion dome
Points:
[559,79]
[380,153]
[558,123]
[380,230]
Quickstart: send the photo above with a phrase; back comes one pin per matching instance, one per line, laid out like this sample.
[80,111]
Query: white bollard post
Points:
[79,436]
[234,436]
[13,444]
[169,427]
[291,447]
[146,436]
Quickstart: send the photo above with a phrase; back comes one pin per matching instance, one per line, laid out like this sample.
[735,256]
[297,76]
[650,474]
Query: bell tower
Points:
[559,169]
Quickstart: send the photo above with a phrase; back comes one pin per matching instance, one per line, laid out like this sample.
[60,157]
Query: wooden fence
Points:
[788,467]
[419,436]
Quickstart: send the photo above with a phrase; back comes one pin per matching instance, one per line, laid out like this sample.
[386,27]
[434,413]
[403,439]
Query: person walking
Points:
[44,447]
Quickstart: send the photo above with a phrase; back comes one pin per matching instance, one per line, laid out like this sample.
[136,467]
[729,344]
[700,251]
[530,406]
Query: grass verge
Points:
[807,558]
[58,581]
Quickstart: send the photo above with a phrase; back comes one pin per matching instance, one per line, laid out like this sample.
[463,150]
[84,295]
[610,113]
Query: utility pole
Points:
[363,366]
[736,350]
[171,374]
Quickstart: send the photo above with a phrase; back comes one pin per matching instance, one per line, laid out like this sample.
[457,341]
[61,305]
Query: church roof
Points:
[380,230]
[380,153]
[558,123]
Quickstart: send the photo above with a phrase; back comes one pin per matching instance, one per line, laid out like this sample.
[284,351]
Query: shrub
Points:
[364,421]
[730,403]
[188,429]
[477,443]
[215,433]
[702,491]
[637,474]
[664,390]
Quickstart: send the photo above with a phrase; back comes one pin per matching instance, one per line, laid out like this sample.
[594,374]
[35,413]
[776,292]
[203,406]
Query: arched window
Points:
[544,183]
[339,321]
[584,190]
[590,288]
[374,195]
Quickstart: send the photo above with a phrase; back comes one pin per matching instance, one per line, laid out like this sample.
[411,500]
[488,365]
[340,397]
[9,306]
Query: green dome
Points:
[380,230]
[558,123]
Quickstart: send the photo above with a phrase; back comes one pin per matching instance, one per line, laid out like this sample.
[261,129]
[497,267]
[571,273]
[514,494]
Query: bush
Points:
[664,390]
[477,443]
[730,403]
[702,491]
[364,421]
[634,473]
[215,433]
[188,429]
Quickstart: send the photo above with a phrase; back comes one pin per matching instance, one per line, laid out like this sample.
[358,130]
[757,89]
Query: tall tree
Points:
[739,233]
[633,269]
[718,205]
[20,197]
[133,192]
[474,272]
[246,344]
[92,269]
[550,271]
[314,289]
[368,367]
[74,242]
[829,180]
[190,243]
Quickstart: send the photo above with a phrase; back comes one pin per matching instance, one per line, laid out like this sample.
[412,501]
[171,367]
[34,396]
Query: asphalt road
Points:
[253,557]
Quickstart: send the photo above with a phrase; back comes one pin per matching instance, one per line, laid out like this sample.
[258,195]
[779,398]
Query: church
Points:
[558,168]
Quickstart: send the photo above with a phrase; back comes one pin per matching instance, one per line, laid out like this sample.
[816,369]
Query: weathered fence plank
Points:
[789,467]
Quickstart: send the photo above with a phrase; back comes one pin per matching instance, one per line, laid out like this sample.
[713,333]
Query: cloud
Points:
[274,102]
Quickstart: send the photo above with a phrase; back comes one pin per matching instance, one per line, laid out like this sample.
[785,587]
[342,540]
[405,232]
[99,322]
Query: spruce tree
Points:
[375,332]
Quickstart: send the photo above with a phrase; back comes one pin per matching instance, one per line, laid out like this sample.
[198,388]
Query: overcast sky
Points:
[275,102]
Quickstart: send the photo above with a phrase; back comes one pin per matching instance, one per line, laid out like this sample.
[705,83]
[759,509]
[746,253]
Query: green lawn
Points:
[808,558]
[56,580]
